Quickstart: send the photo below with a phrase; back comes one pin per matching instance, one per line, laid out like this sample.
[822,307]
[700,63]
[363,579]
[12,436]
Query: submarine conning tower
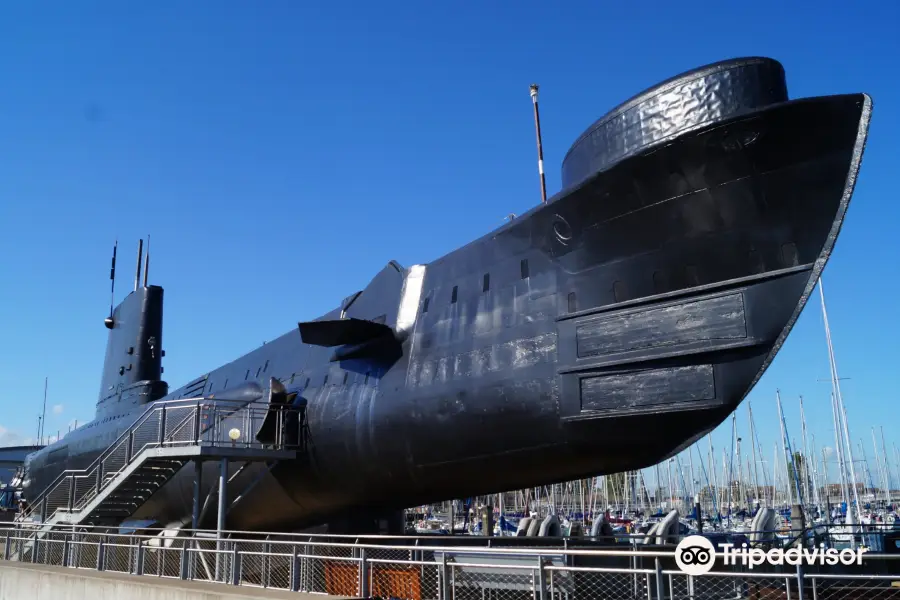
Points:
[132,369]
[697,98]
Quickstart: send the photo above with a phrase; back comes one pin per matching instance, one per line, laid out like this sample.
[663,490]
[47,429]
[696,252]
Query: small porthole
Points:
[265,366]
[425,304]
[367,378]
[453,295]
[486,282]
[247,375]
[523,268]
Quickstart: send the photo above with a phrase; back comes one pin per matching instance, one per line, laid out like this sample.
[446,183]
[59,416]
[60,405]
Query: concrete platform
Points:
[38,582]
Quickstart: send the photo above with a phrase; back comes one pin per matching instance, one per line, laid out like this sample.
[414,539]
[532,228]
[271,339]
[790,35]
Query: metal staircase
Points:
[155,447]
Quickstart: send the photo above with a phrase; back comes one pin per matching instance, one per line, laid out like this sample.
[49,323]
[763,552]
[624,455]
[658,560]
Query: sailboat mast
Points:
[887,466]
[839,452]
[753,451]
[880,468]
[788,459]
[841,410]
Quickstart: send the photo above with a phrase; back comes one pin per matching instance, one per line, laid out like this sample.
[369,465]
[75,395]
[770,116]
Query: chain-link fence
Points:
[390,569]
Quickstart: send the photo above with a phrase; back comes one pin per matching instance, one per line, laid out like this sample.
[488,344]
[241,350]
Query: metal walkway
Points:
[155,447]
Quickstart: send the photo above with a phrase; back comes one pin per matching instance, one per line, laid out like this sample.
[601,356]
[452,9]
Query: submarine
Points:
[604,330]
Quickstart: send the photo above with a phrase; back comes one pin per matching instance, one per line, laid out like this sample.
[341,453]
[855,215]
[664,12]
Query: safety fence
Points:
[412,572]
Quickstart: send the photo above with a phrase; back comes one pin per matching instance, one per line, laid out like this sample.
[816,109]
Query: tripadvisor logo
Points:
[696,555]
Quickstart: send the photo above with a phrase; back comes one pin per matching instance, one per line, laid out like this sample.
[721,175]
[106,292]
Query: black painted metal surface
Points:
[602,331]
[694,99]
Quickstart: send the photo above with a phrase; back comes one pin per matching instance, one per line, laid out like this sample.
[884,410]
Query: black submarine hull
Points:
[605,330]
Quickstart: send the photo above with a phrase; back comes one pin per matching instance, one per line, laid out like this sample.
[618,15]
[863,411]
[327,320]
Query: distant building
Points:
[11,458]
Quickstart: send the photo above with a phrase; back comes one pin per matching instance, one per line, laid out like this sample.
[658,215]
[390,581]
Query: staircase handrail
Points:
[73,473]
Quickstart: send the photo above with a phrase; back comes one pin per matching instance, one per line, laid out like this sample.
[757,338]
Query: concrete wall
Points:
[37,582]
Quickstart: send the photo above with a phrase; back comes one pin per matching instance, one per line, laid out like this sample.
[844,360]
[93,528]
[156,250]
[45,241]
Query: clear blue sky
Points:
[279,153]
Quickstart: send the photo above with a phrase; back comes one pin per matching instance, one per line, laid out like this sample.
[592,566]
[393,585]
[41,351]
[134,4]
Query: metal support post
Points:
[800,577]
[295,570]
[71,479]
[197,416]
[139,559]
[101,555]
[195,512]
[363,574]
[7,546]
[235,566]
[220,522]
[542,580]
[162,427]
[446,584]
[184,561]
[660,590]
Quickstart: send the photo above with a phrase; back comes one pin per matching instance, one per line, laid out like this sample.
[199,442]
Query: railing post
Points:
[101,555]
[295,571]
[363,574]
[71,479]
[800,578]
[184,561]
[197,414]
[162,428]
[235,566]
[139,559]
[660,589]
[65,552]
[99,481]
[6,546]
[446,584]
[542,579]
[129,443]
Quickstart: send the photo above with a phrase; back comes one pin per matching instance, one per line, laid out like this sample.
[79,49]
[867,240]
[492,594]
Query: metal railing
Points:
[403,569]
[171,424]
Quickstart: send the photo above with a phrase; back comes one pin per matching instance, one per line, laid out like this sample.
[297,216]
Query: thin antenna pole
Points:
[44,412]
[147,262]
[137,274]
[112,280]
[540,148]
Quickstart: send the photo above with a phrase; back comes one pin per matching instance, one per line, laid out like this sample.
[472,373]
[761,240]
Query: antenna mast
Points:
[537,127]
[43,414]
[112,288]
[137,274]
[147,262]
